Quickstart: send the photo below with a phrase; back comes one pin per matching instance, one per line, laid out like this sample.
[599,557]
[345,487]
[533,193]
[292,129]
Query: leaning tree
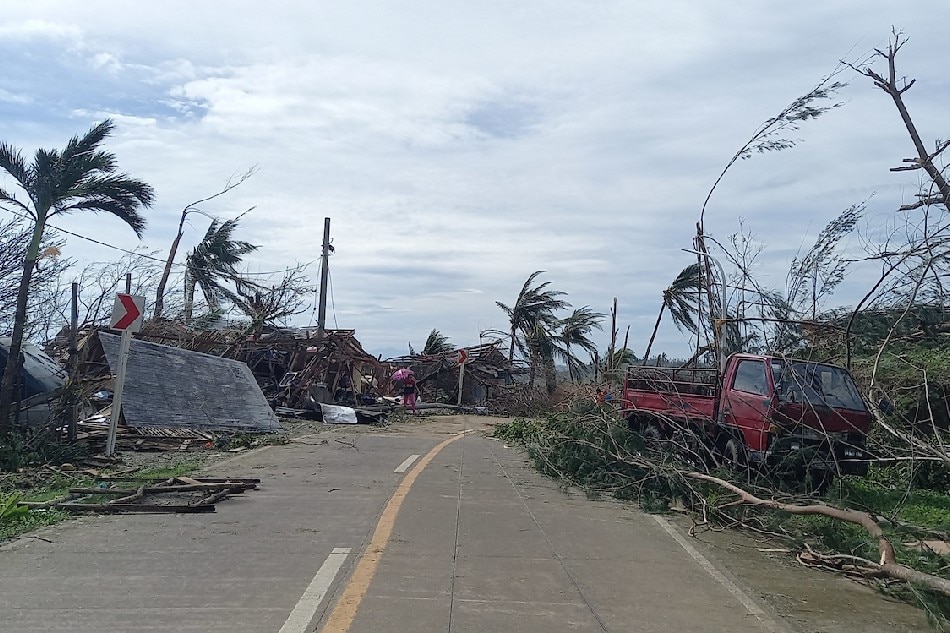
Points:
[81,177]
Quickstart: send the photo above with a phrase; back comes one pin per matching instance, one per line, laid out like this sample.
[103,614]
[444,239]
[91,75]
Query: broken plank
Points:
[106,508]
[204,480]
[236,486]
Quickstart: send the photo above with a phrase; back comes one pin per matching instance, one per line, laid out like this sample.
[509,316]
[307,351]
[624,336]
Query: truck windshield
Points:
[822,385]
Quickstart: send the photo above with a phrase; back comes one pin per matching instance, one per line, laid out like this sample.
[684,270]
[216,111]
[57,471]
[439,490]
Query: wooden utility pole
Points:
[73,365]
[608,370]
[324,276]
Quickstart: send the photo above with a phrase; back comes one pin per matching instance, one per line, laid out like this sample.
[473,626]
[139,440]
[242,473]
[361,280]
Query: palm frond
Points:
[12,162]
[79,147]
[437,343]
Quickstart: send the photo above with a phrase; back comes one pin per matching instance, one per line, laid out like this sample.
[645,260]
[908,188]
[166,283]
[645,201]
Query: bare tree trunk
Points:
[189,297]
[550,373]
[656,327]
[613,339]
[570,364]
[533,365]
[166,272]
[925,159]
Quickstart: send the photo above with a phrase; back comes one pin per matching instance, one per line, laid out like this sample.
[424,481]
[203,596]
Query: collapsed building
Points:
[187,384]
[489,380]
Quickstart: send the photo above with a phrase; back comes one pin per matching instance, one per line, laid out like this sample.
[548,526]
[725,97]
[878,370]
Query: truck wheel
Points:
[652,437]
[733,456]
[819,481]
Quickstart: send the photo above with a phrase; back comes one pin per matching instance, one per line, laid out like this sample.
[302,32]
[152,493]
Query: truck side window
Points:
[750,377]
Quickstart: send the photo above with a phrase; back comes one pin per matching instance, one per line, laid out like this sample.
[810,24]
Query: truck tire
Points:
[819,481]
[734,457]
[652,436]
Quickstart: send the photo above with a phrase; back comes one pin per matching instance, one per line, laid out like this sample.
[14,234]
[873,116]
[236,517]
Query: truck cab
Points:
[786,408]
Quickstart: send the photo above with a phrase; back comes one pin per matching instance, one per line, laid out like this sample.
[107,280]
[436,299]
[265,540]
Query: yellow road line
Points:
[341,618]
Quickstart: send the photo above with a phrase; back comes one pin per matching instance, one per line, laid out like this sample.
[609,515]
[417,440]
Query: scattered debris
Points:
[151,495]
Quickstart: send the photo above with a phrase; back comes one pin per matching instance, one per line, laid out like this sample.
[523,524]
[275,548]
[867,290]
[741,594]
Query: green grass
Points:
[167,472]
[16,519]
[33,520]
[920,507]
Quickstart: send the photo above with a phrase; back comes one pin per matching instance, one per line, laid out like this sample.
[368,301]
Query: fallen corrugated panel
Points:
[171,387]
[333,414]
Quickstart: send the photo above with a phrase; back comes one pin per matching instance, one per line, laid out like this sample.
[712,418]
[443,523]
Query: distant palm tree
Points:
[681,298]
[214,260]
[82,177]
[437,343]
[533,308]
[575,331]
[612,367]
[540,347]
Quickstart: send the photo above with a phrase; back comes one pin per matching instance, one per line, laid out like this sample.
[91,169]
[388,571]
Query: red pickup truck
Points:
[759,411]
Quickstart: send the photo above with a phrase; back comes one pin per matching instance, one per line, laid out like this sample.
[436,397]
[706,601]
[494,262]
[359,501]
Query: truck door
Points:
[746,402]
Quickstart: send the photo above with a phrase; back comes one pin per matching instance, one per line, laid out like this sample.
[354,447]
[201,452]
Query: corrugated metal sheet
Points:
[172,387]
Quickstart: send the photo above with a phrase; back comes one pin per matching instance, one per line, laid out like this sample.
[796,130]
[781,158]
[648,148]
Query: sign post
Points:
[127,317]
[463,357]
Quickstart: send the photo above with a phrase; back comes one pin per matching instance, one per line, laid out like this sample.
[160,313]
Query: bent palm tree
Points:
[681,298]
[437,343]
[533,307]
[81,177]
[575,332]
[214,259]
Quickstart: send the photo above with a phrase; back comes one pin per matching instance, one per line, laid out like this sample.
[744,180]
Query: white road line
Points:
[403,467]
[750,605]
[309,602]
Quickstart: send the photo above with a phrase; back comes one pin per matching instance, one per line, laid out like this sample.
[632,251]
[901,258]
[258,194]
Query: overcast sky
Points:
[460,146]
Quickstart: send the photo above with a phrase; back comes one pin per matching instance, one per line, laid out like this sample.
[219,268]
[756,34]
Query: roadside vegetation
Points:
[889,529]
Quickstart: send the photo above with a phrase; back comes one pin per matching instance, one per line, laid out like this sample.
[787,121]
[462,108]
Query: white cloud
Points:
[464,145]
[39,29]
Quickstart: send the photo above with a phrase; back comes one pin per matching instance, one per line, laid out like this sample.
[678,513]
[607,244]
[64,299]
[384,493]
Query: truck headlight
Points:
[795,446]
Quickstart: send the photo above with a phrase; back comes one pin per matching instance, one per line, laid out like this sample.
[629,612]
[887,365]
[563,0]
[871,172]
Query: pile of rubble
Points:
[185,388]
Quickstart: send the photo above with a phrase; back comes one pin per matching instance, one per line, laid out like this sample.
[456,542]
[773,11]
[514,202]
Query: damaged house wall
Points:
[301,367]
[489,377]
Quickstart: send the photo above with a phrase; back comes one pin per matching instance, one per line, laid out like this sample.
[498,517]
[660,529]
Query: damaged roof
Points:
[172,387]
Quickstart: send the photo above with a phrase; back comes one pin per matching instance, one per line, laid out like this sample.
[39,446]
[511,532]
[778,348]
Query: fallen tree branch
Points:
[888,565]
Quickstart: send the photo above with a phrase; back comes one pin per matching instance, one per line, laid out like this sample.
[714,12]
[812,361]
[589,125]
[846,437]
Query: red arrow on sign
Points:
[131,312]
[463,356]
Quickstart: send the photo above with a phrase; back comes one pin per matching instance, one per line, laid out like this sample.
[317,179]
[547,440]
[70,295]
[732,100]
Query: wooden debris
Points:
[188,494]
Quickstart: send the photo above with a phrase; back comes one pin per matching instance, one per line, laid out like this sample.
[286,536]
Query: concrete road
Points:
[375,532]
